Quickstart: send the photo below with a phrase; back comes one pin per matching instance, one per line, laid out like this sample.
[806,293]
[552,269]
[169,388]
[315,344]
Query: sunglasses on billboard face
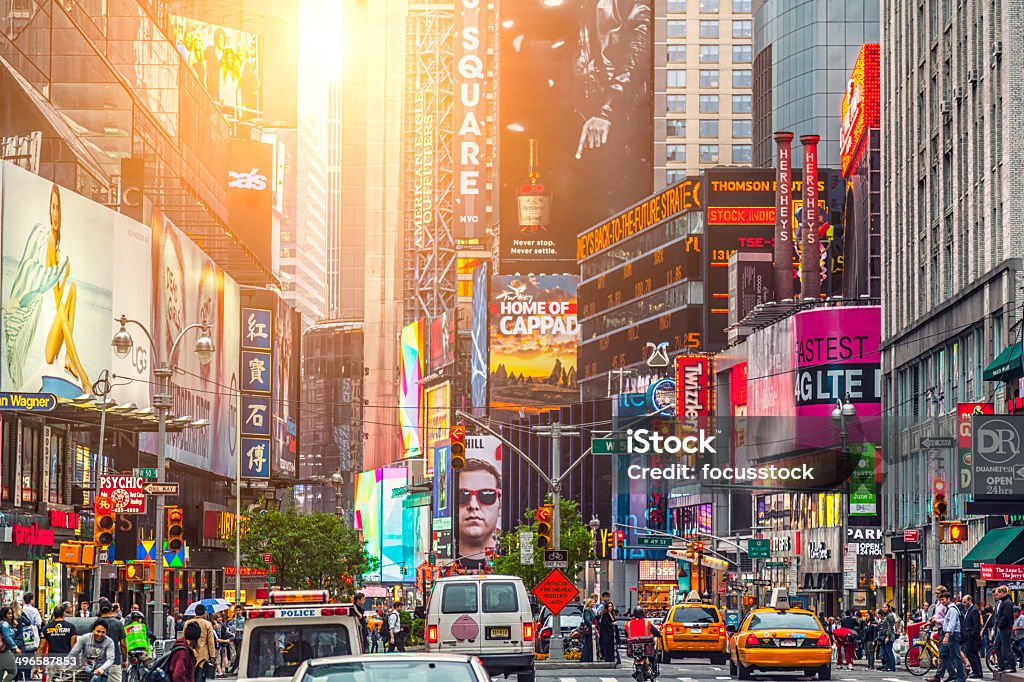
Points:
[485,496]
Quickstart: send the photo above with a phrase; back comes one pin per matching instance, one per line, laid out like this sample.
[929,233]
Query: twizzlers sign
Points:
[469,214]
[693,391]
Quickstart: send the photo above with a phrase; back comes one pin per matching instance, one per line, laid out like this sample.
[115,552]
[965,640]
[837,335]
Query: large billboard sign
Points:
[533,339]
[861,107]
[226,61]
[575,109]
[188,288]
[438,401]
[964,428]
[442,341]
[251,196]
[62,291]
[478,361]
[378,512]
[997,467]
[412,380]
[693,391]
[478,500]
[471,120]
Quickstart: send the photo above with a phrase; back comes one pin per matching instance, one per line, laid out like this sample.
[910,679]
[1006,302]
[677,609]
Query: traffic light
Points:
[175,529]
[699,546]
[954,532]
[691,550]
[106,521]
[939,506]
[457,436]
[544,526]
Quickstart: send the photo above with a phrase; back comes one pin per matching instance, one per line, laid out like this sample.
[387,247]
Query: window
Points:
[676,28]
[8,468]
[56,466]
[742,153]
[678,6]
[500,598]
[709,78]
[742,128]
[709,104]
[459,598]
[709,28]
[709,6]
[742,28]
[709,128]
[695,614]
[709,54]
[675,127]
[675,104]
[709,153]
[83,471]
[740,6]
[278,650]
[675,152]
[741,78]
[772,620]
[30,479]
[676,54]
[407,670]
[742,54]
[676,78]
[674,176]
[741,104]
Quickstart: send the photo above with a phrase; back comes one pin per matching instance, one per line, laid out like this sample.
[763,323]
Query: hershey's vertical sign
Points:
[783,221]
[810,254]
[470,206]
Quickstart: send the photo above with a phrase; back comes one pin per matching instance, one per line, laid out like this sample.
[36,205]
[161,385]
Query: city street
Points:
[697,671]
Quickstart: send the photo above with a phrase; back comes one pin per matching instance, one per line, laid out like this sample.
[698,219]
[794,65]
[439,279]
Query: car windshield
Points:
[775,620]
[695,614]
[278,651]
[391,671]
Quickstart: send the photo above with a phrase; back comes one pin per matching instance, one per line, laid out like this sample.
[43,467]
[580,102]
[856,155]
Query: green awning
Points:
[999,546]
[1006,366]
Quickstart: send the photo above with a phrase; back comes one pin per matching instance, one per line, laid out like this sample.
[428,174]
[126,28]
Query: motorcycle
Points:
[573,643]
[642,652]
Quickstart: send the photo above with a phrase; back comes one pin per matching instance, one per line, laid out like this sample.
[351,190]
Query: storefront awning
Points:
[999,546]
[1006,366]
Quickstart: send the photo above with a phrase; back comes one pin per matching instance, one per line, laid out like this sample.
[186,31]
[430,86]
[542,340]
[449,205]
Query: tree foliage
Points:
[308,551]
[575,538]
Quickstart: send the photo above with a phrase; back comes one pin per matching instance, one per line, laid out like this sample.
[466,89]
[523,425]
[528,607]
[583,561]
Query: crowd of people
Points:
[386,632]
[206,644]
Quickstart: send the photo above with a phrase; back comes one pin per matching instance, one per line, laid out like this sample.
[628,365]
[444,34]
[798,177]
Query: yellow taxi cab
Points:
[693,629]
[780,638]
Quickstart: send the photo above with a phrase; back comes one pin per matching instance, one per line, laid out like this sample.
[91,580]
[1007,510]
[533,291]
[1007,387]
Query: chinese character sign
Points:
[256,415]
[256,328]
[257,371]
[255,458]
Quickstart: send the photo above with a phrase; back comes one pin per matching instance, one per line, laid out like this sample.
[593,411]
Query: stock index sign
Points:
[997,461]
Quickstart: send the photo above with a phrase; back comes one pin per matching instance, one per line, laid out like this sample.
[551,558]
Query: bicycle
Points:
[923,656]
[992,656]
[138,667]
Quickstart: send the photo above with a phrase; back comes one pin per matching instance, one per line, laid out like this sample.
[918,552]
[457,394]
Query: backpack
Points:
[160,671]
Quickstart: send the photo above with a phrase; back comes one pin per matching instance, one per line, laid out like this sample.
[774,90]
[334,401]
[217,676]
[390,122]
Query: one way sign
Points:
[937,442]
[160,488]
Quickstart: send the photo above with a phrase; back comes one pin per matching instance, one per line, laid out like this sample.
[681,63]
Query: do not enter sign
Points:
[556,591]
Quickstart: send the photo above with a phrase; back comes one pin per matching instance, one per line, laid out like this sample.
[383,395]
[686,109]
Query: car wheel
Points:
[666,657]
[732,669]
[825,673]
[718,659]
[527,677]
[743,672]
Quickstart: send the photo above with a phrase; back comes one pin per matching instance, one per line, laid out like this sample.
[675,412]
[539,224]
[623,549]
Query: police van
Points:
[294,626]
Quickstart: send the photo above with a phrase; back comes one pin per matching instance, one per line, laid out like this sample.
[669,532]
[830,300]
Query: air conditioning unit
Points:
[972,75]
[958,93]
[945,107]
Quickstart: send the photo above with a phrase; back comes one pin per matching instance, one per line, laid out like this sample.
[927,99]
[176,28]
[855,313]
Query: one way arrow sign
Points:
[937,442]
[160,488]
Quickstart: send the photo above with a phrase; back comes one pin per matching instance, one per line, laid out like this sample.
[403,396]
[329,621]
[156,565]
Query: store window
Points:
[9,461]
[30,469]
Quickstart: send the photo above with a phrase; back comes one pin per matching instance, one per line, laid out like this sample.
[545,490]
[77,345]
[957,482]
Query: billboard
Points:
[228,62]
[61,291]
[251,196]
[533,340]
[693,391]
[575,109]
[478,521]
[412,378]
[189,288]
[437,419]
[442,341]
[861,108]
[478,361]
[472,123]
[379,515]
[442,503]
[965,413]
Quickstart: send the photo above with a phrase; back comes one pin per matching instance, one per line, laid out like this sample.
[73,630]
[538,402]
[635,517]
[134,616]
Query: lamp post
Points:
[844,411]
[595,524]
[204,349]
[337,480]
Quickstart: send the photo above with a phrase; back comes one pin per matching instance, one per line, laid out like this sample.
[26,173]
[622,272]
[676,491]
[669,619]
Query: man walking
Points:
[887,634]
[206,648]
[950,651]
[1004,627]
[972,635]
[395,626]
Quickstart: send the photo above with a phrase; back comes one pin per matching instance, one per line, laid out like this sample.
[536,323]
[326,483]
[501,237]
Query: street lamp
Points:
[844,411]
[204,349]
[337,480]
[595,524]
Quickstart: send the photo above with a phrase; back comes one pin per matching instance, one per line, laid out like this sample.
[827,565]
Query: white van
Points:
[295,626]
[487,616]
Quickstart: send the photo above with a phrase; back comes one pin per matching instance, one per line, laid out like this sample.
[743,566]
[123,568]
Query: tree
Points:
[308,551]
[576,539]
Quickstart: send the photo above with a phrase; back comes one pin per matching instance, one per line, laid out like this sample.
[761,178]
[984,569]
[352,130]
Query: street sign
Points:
[653,541]
[556,558]
[759,582]
[125,492]
[432,559]
[148,473]
[937,442]
[526,547]
[267,557]
[608,446]
[912,536]
[160,488]
[252,484]
[28,402]
[759,549]
[556,591]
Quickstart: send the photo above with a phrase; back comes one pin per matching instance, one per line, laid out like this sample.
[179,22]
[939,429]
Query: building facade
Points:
[703,59]
[803,51]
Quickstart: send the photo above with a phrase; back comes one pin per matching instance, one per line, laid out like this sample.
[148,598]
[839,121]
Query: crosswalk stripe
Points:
[609,679]
[687,679]
[567,679]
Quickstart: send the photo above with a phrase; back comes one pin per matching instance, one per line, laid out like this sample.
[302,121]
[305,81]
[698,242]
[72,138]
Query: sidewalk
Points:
[1009,677]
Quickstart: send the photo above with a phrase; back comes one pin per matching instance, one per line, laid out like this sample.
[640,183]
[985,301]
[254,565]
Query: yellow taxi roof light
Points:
[299,597]
[779,598]
[693,597]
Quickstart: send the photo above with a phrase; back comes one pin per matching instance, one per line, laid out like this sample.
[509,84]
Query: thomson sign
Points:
[997,461]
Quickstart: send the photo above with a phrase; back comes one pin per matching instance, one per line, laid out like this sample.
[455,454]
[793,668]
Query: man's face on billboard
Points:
[479,505]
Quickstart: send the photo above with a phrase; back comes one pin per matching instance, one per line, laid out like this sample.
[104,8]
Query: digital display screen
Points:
[680,329]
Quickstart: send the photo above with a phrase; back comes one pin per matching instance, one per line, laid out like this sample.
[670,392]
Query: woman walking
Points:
[606,629]
[9,648]
[587,631]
